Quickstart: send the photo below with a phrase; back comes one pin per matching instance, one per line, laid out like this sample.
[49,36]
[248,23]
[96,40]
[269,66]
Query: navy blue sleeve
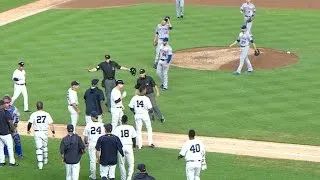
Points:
[101,96]
[119,146]
[137,86]
[98,145]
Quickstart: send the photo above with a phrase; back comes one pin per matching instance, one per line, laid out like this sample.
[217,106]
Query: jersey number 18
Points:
[125,133]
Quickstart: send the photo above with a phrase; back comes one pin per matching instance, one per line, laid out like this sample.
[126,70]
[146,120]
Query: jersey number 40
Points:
[41,119]
[95,130]
[195,148]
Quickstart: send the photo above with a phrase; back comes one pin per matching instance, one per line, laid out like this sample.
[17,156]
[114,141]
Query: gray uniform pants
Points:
[156,109]
[162,72]
[180,7]
[108,86]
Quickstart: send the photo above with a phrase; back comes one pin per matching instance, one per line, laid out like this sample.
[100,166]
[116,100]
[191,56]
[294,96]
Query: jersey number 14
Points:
[139,103]
[195,148]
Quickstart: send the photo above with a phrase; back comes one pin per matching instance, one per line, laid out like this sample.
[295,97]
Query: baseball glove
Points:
[257,52]
[133,71]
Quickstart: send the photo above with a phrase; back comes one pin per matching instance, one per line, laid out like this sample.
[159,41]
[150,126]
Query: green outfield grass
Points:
[273,105]
[162,164]
[9,4]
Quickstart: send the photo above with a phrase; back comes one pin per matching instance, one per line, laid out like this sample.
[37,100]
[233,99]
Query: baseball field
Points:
[277,104]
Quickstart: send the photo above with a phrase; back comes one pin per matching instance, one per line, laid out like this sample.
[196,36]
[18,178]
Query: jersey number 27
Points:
[195,148]
[41,119]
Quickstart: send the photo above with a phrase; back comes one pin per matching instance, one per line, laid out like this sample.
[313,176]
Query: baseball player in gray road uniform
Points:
[244,40]
[162,31]
[248,10]
[165,56]
[180,8]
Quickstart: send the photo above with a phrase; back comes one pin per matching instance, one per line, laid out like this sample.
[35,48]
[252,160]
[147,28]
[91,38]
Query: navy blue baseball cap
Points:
[21,63]
[94,81]
[142,167]
[243,27]
[70,128]
[142,71]
[94,114]
[165,39]
[119,82]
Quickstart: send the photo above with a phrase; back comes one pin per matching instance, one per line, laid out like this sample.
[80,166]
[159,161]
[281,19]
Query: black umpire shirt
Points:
[4,122]
[109,145]
[146,81]
[93,98]
[72,147]
[109,69]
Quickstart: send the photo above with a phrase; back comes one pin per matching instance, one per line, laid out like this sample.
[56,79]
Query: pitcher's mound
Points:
[225,58]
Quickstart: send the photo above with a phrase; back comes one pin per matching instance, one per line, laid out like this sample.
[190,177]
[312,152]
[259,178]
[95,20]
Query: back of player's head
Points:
[124,119]
[192,133]
[39,105]
[108,127]
[142,89]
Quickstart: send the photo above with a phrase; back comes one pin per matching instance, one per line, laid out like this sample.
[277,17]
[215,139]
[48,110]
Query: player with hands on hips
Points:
[92,131]
[41,121]
[180,8]
[194,153]
[248,10]
[141,106]
[127,135]
[73,103]
[116,103]
[244,40]
[162,31]
[165,56]
[20,86]
[15,116]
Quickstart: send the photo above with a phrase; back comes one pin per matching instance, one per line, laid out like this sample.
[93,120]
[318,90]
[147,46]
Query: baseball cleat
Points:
[164,89]
[2,164]
[161,86]
[152,146]
[162,120]
[250,71]
[181,16]
[236,73]
[13,165]
[178,17]
[27,111]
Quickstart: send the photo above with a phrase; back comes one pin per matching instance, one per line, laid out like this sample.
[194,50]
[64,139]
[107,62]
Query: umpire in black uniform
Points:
[150,85]
[107,148]
[109,71]
[94,98]
[71,150]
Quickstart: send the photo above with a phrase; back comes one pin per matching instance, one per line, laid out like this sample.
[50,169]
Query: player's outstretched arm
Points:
[234,43]
[124,68]
[92,69]
[254,46]
[157,90]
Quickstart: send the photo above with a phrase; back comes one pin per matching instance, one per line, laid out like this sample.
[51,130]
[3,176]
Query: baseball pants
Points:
[193,170]
[129,158]
[179,7]
[41,140]
[248,24]
[108,172]
[18,89]
[156,59]
[108,86]
[116,114]
[155,107]
[72,171]
[88,119]
[244,57]
[74,117]
[93,160]
[162,72]
[17,145]
[8,141]
[139,120]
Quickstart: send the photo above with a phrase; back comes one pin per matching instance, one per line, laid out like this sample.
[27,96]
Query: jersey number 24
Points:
[195,148]
[95,130]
